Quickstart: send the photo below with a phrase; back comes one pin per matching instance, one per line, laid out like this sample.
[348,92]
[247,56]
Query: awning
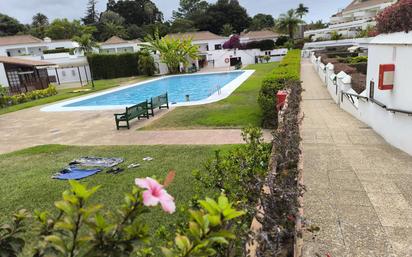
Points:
[25,62]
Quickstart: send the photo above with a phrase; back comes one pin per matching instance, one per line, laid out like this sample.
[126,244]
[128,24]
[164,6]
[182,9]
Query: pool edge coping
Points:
[225,92]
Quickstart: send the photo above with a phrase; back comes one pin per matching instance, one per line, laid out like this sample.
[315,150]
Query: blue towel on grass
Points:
[76,173]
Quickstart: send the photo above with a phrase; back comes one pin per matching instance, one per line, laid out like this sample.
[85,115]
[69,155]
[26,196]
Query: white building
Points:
[119,45]
[357,16]
[23,45]
[213,55]
[27,53]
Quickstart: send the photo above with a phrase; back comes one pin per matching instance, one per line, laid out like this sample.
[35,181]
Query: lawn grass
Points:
[25,176]
[240,109]
[67,92]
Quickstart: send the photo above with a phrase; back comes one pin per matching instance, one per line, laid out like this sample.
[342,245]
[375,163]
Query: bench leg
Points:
[128,126]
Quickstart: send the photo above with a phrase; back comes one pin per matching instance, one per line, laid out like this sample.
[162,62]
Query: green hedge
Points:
[6,100]
[59,50]
[287,72]
[263,45]
[110,66]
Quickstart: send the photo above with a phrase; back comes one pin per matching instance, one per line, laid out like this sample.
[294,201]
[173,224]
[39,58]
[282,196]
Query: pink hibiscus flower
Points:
[156,194]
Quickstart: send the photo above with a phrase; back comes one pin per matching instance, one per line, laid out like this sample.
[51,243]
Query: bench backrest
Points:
[136,110]
[158,101]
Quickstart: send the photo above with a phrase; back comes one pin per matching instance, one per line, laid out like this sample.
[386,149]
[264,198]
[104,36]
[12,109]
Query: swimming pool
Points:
[192,89]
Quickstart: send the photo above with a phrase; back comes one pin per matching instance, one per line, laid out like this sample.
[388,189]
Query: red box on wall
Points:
[386,76]
[281,98]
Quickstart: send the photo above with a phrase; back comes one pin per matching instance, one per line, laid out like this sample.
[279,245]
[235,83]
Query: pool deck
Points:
[31,127]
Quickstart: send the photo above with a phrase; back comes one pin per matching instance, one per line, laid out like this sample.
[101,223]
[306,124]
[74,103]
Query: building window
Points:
[207,47]
[218,47]
[64,73]
[73,73]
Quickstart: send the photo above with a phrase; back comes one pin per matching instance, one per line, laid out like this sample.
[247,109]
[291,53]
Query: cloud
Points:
[24,10]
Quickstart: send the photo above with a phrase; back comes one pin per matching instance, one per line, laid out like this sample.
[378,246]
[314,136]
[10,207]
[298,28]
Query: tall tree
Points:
[10,26]
[138,12]
[92,17]
[39,24]
[182,25]
[302,10]
[288,22]
[262,21]
[224,12]
[65,29]
[227,30]
[189,9]
[111,24]
[86,42]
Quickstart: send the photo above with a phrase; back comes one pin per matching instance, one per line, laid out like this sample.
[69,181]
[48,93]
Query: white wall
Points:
[3,77]
[394,127]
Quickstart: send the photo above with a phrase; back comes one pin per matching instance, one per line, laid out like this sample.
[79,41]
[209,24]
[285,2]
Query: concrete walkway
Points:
[359,188]
[31,127]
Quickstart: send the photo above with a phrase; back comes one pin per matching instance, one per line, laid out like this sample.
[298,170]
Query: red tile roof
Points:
[20,39]
[259,34]
[117,40]
[196,36]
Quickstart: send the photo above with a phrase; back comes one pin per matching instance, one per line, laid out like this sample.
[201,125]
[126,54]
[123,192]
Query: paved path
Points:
[359,187]
[31,127]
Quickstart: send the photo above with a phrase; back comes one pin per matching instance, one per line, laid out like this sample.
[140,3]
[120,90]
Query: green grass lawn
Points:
[238,110]
[67,93]
[25,176]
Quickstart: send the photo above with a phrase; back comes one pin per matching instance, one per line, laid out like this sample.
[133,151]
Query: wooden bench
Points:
[138,111]
[161,101]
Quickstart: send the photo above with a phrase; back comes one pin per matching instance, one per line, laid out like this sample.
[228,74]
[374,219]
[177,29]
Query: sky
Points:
[23,10]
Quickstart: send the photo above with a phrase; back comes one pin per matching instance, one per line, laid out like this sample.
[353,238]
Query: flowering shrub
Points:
[6,100]
[395,18]
[232,43]
[82,229]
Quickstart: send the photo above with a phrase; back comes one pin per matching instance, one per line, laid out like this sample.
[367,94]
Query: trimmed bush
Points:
[288,71]
[263,45]
[110,66]
[395,18]
[61,50]
[6,100]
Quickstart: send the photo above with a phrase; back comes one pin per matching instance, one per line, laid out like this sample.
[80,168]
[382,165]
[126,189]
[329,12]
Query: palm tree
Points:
[86,43]
[302,10]
[288,22]
[227,30]
[172,51]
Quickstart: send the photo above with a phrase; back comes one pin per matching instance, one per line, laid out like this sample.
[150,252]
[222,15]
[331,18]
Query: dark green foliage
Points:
[6,100]
[287,71]
[262,45]
[146,64]
[92,16]
[59,50]
[9,26]
[240,174]
[108,66]
[221,13]
[138,12]
[281,40]
[11,241]
[262,21]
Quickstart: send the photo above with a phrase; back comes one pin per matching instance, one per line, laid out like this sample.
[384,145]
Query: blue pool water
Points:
[198,87]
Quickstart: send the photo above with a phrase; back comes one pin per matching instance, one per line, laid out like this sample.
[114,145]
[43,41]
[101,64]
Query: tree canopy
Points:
[224,12]
[262,21]
[138,12]
[10,26]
